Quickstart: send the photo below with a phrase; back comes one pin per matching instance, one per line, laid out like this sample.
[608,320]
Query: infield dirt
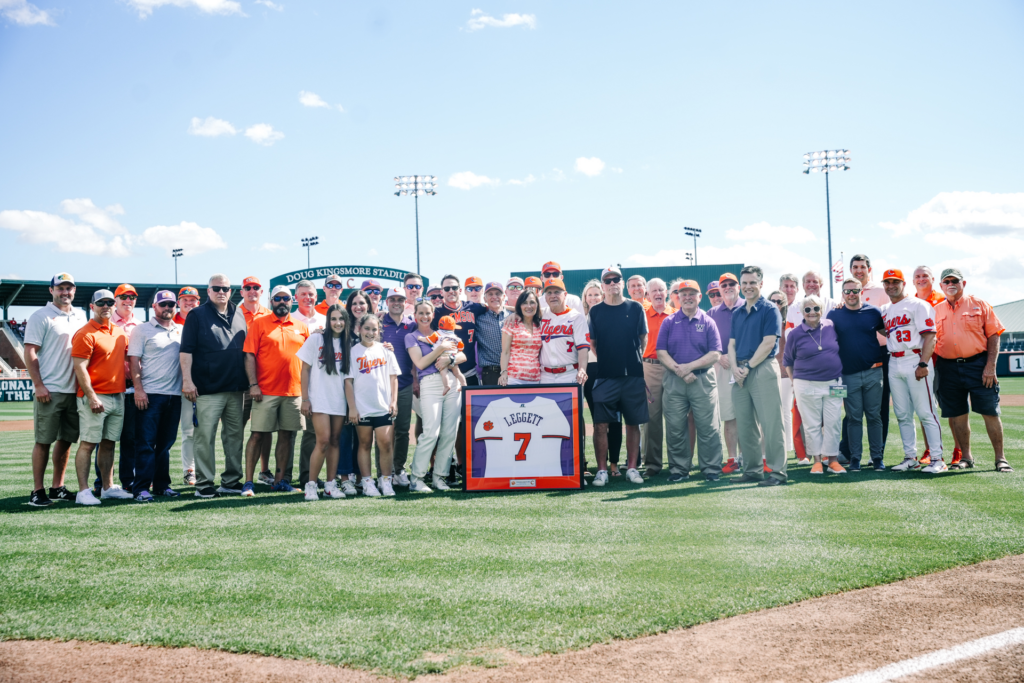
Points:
[816,640]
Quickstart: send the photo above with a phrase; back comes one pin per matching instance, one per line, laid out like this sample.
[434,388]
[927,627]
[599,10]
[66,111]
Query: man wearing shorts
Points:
[728,285]
[252,290]
[966,351]
[48,336]
[618,334]
[275,384]
[98,351]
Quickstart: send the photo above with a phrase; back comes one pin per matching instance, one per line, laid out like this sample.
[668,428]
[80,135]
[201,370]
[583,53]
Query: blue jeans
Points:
[347,444]
[156,429]
[864,399]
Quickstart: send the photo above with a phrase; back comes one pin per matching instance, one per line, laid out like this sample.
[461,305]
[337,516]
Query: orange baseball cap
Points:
[447,323]
[893,274]
[554,282]
[125,289]
[474,282]
[252,280]
[533,281]
[689,284]
[550,265]
[188,291]
[728,276]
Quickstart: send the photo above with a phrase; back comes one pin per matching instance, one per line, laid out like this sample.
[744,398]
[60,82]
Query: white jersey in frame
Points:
[523,439]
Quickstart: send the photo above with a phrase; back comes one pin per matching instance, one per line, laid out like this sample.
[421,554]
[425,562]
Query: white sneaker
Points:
[311,491]
[401,479]
[115,491]
[936,467]
[331,489]
[601,478]
[86,498]
[369,488]
[417,485]
[348,487]
[386,489]
[634,476]
[905,465]
[440,484]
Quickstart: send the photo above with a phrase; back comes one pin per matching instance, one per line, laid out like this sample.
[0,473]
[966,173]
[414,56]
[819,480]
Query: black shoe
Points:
[677,477]
[853,468]
[771,481]
[38,499]
[234,490]
[744,479]
[206,492]
[711,477]
[61,494]
[320,483]
[879,466]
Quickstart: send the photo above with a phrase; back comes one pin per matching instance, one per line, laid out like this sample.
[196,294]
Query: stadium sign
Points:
[352,276]
[16,390]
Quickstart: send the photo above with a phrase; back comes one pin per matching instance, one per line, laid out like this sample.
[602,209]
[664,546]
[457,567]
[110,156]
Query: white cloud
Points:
[467,180]
[210,127]
[184,235]
[146,7]
[263,134]
[779,234]
[270,246]
[67,236]
[372,252]
[24,13]
[268,3]
[311,99]
[590,167]
[972,213]
[556,175]
[479,20]
[525,181]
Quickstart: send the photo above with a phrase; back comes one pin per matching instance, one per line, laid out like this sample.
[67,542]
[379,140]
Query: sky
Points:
[587,133]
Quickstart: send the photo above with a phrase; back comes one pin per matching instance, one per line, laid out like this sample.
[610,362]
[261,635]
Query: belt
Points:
[900,354]
[560,370]
[652,361]
[699,372]
[962,360]
[490,367]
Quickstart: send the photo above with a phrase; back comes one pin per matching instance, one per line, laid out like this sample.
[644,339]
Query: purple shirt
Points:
[396,334]
[411,340]
[807,361]
[687,339]
[722,315]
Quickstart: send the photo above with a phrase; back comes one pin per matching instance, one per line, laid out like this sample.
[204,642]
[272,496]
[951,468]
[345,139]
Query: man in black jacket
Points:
[213,375]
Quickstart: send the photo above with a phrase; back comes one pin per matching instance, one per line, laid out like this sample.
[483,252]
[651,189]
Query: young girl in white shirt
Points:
[372,390]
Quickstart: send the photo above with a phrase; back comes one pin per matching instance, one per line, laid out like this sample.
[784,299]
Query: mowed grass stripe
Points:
[378,584]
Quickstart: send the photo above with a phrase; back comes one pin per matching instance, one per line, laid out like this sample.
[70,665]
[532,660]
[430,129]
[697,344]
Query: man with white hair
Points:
[653,433]
[636,285]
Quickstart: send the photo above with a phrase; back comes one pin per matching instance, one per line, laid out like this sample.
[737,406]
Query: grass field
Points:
[21,410]
[418,584]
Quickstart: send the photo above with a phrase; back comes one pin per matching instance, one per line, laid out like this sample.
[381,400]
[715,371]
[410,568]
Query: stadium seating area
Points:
[17,328]
[1012,345]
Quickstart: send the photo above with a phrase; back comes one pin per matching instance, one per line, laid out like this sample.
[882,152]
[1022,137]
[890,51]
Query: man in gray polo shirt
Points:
[153,353]
[55,411]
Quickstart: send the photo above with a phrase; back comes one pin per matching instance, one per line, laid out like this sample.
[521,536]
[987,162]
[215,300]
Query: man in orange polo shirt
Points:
[252,290]
[98,351]
[653,433]
[966,349]
[333,287]
[188,298]
[275,384]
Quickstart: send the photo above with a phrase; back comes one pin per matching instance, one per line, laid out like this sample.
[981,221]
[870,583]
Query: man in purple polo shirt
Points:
[728,285]
[688,348]
[396,325]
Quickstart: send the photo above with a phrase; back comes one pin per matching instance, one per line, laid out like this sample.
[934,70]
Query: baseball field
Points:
[424,584]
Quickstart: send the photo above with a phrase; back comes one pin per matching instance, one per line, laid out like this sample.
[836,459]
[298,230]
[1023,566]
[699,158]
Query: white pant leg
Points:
[832,427]
[451,411]
[430,406]
[900,389]
[810,402]
[786,388]
[924,406]
[188,458]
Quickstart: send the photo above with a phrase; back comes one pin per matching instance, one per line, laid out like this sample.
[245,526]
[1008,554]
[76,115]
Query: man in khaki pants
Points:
[656,310]
[756,397]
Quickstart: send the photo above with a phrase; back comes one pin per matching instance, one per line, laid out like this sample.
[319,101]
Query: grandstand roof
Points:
[1011,315]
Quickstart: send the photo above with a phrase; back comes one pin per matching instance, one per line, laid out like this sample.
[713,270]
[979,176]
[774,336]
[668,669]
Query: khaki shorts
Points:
[725,410]
[246,407]
[105,426]
[278,413]
[56,420]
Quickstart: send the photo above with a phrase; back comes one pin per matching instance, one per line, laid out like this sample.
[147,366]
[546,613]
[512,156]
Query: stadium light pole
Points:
[309,243]
[415,185]
[689,257]
[827,161]
[694,233]
[176,254]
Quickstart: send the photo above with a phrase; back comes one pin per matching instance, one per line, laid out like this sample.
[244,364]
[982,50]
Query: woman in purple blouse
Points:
[812,360]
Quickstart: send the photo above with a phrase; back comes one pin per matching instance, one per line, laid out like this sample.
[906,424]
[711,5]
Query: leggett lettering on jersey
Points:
[893,323]
[368,364]
[519,418]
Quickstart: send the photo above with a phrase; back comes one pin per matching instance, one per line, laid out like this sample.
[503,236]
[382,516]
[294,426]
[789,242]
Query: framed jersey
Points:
[523,437]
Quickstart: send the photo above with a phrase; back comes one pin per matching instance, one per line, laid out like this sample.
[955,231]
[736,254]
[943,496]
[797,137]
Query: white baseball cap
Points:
[397,291]
[280,289]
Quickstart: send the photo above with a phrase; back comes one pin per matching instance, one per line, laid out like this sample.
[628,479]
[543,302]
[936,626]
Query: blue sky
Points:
[584,132]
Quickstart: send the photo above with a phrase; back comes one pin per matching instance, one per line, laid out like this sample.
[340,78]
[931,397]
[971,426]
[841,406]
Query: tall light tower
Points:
[176,254]
[309,243]
[825,162]
[416,185]
[694,233]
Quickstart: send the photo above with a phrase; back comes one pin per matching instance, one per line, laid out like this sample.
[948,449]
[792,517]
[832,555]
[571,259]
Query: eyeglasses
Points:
[815,309]
[250,288]
[514,288]
[333,285]
[371,292]
[714,294]
[851,291]
[166,304]
[104,303]
[551,273]
[951,281]
[282,299]
[127,297]
[777,302]
[414,286]
[451,288]
[474,288]
[726,284]
[436,296]
[219,289]
[612,280]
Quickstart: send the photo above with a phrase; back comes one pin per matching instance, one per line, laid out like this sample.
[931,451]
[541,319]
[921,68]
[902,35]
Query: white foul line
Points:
[933,659]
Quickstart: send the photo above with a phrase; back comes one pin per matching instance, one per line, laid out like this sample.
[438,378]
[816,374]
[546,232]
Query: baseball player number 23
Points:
[525,438]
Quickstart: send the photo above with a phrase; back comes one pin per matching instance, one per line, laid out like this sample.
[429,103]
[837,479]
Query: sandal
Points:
[1003,466]
[962,464]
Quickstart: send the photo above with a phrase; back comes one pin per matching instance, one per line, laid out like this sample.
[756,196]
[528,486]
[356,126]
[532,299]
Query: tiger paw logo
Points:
[488,426]
[928,322]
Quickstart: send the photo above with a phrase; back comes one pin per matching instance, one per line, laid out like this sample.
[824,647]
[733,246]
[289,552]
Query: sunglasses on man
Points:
[220,289]
[451,288]
[416,287]
[436,296]
[514,288]
[474,288]
[166,304]
[727,284]
[252,288]
[282,299]
[851,291]
[612,280]
[333,285]
[551,273]
[714,294]
[127,297]
[951,281]
[371,292]
[104,303]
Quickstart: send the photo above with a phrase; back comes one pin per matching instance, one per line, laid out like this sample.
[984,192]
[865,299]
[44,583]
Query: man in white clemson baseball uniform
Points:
[910,340]
[565,339]
[523,439]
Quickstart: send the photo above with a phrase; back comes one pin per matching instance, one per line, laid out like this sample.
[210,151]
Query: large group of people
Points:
[738,386]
